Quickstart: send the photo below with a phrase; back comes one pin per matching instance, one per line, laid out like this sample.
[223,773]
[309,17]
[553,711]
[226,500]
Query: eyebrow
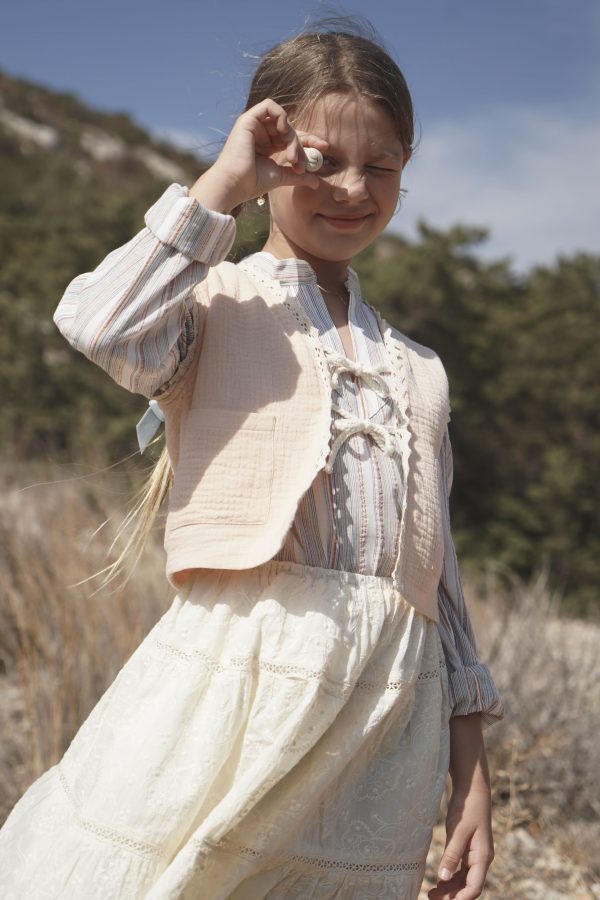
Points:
[386,154]
[398,156]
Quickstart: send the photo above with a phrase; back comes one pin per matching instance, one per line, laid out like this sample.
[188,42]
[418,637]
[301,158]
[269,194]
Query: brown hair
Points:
[337,55]
[351,59]
[297,72]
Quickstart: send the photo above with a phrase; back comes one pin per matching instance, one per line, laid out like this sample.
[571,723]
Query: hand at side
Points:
[469,848]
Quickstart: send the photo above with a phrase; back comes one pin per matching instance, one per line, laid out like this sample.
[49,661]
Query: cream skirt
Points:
[282,732]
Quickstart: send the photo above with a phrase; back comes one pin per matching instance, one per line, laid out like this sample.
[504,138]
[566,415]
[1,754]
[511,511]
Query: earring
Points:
[260,201]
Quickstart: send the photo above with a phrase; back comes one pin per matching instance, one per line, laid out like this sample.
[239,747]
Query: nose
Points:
[350,186]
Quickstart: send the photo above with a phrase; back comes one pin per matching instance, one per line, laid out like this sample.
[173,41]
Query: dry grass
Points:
[61,647]
[545,755]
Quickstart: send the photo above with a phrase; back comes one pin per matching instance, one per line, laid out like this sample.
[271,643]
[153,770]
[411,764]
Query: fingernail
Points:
[445,874]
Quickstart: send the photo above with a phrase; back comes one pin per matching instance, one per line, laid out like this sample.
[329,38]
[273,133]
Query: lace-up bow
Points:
[349,424]
[371,375]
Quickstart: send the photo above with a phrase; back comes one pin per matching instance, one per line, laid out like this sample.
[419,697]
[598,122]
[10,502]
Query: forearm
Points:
[212,191]
[471,686]
[468,761]
[128,315]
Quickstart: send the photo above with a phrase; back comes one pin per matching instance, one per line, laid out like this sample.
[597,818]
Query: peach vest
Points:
[248,427]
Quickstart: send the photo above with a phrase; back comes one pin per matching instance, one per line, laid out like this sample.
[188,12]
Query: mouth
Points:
[345,222]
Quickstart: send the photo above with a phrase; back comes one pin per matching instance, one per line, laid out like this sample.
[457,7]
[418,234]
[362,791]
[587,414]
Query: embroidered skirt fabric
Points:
[282,732]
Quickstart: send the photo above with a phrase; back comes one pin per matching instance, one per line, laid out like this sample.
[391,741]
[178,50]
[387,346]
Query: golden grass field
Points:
[61,647]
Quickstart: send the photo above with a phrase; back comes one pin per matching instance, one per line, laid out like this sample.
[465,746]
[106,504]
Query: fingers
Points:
[451,858]
[448,890]
[466,884]
[469,845]
[273,134]
[313,140]
[273,123]
[268,109]
[314,143]
[280,157]
[287,176]
[305,139]
[295,153]
[273,118]
[452,877]
[475,880]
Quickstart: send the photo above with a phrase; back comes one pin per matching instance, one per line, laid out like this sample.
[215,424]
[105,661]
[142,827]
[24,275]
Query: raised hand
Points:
[246,167]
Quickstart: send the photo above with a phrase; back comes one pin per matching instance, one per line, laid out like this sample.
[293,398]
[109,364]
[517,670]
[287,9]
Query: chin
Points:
[334,248]
[334,254]
[337,251]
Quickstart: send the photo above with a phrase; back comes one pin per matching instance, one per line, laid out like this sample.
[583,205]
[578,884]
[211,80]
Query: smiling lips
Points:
[348,222]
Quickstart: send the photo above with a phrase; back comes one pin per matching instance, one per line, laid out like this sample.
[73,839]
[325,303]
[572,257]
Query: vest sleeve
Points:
[471,686]
[135,315]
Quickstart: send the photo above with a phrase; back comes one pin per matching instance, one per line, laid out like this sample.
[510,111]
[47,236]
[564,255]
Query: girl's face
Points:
[359,182]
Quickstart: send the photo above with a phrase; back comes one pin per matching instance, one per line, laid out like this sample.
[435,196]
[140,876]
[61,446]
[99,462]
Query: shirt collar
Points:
[294,271]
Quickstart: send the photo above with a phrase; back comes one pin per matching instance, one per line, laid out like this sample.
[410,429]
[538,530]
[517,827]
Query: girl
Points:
[286,728]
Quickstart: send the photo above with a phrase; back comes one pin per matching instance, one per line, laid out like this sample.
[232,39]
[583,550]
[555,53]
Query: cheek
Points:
[289,203]
[386,194]
[282,203]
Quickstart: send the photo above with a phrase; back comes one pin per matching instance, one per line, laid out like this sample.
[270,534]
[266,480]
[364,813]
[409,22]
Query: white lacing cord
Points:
[349,424]
[371,375]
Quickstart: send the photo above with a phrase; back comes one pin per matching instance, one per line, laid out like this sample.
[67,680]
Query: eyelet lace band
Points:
[314,863]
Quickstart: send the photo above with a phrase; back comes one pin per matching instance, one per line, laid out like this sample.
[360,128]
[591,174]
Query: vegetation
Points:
[62,645]
[520,352]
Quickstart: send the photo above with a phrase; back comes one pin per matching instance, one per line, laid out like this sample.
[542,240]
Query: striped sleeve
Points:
[471,686]
[134,315]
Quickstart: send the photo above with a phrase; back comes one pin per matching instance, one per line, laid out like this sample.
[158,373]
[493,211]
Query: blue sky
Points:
[507,95]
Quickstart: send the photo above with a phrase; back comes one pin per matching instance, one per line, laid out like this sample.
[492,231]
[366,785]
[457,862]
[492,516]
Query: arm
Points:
[134,315]
[475,704]
[469,848]
[471,686]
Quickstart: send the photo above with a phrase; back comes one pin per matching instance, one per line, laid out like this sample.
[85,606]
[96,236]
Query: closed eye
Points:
[382,169]
[330,161]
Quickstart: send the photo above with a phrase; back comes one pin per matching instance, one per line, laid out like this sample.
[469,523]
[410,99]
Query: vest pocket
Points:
[225,469]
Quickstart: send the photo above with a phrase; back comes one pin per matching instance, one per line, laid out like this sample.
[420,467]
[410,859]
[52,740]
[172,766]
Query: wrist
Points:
[477,784]
[213,192]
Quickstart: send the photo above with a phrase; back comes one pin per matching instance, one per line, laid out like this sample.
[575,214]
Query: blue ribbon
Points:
[149,424]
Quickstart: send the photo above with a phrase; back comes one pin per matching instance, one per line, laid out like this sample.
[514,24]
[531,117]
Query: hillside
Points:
[74,183]
[109,147]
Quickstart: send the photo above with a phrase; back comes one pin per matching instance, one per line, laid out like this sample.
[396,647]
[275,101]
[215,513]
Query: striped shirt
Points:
[136,318]
[349,519]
